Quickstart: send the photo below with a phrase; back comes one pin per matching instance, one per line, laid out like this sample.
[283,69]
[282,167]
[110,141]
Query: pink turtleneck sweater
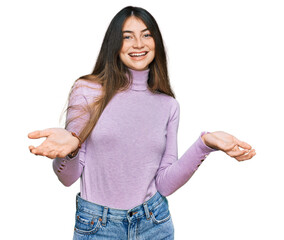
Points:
[132,152]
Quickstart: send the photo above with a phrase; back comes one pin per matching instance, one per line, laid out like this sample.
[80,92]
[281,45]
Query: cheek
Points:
[152,56]
[152,45]
[122,53]
[123,58]
[124,48]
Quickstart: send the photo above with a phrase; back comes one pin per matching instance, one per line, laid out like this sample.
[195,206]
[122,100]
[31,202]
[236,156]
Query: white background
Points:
[226,68]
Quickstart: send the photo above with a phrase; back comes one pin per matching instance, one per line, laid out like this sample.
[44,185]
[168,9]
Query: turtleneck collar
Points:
[140,79]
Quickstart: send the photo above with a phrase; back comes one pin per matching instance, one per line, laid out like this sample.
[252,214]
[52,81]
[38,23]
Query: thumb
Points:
[39,134]
[228,146]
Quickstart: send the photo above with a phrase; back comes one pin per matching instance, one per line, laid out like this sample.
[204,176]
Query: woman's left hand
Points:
[229,144]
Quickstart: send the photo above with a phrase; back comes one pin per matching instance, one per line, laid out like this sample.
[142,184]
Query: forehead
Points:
[134,24]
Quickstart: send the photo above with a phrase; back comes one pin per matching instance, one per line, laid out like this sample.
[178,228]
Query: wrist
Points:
[74,153]
[203,136]
[76,136]
[206,138]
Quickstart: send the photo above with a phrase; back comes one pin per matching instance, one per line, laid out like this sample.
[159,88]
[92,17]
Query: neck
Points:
[139,79]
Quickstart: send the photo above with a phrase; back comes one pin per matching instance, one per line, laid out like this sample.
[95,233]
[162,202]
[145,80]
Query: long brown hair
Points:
[110,72]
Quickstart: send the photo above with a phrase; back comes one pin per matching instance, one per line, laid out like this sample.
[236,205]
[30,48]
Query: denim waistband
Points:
[105,212]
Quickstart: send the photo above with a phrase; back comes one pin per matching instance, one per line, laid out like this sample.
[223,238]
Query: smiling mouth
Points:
[138,54]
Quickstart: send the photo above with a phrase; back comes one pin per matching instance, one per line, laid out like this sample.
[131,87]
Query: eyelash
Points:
[146,35]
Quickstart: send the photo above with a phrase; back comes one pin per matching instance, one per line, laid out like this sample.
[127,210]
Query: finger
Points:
[39,134]
[40,150]
[45,149]
[31,148]
[243,144]
[238,153]
[35,151]
[247,156]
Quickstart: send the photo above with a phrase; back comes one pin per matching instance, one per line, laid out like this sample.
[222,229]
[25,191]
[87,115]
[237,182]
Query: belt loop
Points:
[77,200]
[145,205]
[104,216]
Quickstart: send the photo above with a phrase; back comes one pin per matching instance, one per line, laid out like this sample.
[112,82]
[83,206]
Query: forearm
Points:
[175,173]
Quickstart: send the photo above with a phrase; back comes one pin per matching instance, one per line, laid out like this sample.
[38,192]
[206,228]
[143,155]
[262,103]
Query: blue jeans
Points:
[148,221]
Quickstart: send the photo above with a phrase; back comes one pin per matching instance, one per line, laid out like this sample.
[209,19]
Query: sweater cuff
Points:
[71,159]
[59,164]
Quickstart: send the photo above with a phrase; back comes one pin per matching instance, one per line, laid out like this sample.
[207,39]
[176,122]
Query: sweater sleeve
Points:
[68,170]
[173,172]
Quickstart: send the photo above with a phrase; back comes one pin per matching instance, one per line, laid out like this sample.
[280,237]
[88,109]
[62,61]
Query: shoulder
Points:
[84,84]
[169,101]
[170,105]
[84,91]
[86,87]
[175,108]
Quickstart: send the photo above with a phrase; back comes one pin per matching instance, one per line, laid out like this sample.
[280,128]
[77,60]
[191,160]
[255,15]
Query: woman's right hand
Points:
[58,143]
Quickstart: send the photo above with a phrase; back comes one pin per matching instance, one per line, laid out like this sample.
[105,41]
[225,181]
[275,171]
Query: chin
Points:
[139,68]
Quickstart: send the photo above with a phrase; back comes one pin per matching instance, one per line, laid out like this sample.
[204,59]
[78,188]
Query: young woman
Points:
[120,137]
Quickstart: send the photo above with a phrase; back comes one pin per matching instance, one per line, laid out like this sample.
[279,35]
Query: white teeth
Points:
[138,54]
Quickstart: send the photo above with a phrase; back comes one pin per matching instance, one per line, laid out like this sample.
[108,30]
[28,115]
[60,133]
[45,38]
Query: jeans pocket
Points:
[87,224]
[161,213]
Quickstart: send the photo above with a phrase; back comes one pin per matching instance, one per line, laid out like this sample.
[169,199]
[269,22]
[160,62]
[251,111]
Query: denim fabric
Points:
[150,220]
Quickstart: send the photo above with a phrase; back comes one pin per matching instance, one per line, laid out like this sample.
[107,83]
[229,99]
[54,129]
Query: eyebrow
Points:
[128,31]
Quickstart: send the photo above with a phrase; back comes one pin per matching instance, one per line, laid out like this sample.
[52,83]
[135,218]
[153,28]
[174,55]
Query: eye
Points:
[126,37]
[147,35]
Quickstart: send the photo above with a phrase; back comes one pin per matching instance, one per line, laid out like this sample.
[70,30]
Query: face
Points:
[138,47]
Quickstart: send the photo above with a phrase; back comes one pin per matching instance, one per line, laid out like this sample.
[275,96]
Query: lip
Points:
[138,58]
[138,52]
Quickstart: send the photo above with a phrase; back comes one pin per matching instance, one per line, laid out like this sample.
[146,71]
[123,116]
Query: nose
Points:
[138,43]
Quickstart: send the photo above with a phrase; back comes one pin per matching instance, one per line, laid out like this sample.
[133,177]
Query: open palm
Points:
[229,144]
[58,143]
